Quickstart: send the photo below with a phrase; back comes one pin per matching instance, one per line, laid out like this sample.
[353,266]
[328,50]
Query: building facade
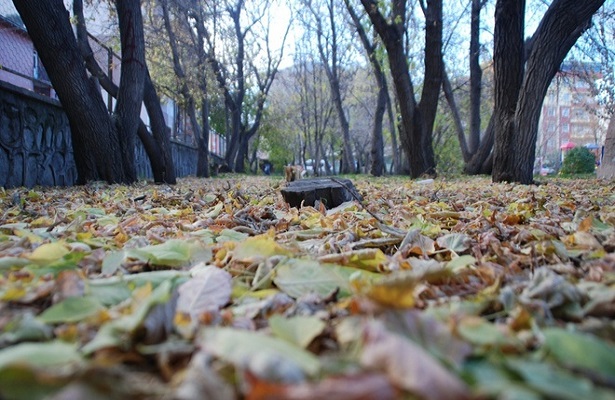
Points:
[569,116]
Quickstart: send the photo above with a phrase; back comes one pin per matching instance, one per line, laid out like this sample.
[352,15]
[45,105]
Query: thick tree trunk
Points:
[157,145]
[563,23]
[517,128]
[434,67]
[96,144]
[508,71]
[130,95]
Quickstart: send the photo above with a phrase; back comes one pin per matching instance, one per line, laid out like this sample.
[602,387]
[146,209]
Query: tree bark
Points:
[517,112]
[475,76]
[130,95]
[607,166]
[430,95]
[96,143]
[508,72]
[415,132]
[562,25]
[157,145]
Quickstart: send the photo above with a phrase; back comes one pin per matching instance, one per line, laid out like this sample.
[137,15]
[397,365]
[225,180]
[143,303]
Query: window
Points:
[565,128]
[565,112]
[35,64]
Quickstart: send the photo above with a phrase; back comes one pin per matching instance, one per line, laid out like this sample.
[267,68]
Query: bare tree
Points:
[189,21]
[236,72]
[417,118]
[316,106]
[476,146]
[324,19]
[377,166]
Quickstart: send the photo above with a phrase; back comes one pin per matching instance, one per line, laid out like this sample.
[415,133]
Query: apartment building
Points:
[569,116]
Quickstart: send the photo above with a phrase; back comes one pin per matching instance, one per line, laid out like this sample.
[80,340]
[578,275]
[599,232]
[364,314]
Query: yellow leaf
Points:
[258,248]
[394,291]
[13,293]
[48,253]
[41,222]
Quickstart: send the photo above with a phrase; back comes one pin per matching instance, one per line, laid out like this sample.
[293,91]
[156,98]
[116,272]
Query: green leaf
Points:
[173,253]
[242,348]
[298,330]
[297,277]
[118,332]
[495,381]
[71,309]
[461,262]
[7,263]
[554,382]
[25,328]
[112,262]
[581,352]
[230,235]
[42,355]
[480,332]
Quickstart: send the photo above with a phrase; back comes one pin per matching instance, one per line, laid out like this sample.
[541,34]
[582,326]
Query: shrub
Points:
[578,161]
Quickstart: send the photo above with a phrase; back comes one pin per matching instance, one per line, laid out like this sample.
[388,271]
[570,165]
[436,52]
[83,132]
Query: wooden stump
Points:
[330,191]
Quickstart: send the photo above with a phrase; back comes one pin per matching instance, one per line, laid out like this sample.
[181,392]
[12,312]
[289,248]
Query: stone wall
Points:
[35,143]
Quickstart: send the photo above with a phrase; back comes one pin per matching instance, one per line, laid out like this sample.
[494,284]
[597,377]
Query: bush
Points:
[578,161]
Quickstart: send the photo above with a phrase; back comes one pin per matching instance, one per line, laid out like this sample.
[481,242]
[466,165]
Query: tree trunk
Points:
[130,95]
[508,72]
[563,23]
[517,130]
[202,164]
[430,95]
[415,132]
[475,76]
[157,145]
[96,143]
[607,166]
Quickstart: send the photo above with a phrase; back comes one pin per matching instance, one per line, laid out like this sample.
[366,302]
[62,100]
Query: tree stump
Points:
[329,191]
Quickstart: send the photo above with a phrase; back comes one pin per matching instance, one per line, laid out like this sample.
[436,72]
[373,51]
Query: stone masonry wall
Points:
[35,143]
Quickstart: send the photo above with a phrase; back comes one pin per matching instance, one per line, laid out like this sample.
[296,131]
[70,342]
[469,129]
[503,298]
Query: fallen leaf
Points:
[408,366]
[298,330]
[206,291]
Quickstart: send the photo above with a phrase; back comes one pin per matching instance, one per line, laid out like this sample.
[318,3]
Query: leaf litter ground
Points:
[217,289]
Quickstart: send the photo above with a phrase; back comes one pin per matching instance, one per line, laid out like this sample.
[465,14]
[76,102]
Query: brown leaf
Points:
[408,366]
